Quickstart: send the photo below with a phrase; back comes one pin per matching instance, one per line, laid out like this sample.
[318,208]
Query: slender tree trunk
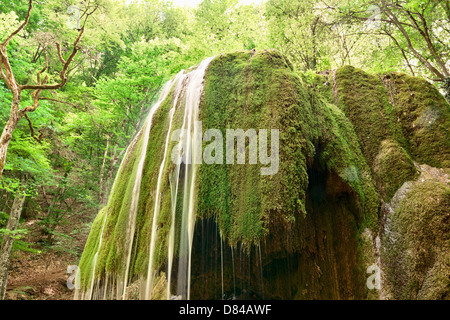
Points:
[6,246]
[421,58]
[6,136]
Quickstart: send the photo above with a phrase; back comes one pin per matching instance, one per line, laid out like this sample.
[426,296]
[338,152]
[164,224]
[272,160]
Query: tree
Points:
[8,239]
[17,113]
[225,25]
[7,74]
[298,30]
[419,29]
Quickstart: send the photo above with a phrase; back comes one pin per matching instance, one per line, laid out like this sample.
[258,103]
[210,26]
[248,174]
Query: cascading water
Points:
[191,84]
[191,148]
[137,186]
[288,236]
[187,92]
[134,201]
[150,275]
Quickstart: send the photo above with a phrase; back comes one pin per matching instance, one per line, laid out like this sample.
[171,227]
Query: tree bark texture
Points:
[7,242]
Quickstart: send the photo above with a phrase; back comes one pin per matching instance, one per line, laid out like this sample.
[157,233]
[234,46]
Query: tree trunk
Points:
[6,246]
[6,136]
[392,16]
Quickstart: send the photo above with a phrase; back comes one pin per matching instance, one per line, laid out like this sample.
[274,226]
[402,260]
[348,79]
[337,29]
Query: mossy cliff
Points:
[416,242]
[347,142]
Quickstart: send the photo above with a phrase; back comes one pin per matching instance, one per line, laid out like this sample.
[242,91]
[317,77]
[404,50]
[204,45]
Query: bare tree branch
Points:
[30,125]
[27,18]
[38,75]
[405,34]
[63,72]
[58,49]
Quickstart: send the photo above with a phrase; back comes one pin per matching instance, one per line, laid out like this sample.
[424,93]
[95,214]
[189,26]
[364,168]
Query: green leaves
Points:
[28,156]
[298,29]
[14,234]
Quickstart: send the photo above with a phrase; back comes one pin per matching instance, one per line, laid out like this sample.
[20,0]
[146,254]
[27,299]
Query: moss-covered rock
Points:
[347,142]
[261,90]
[392,167]
[364,100]
[417,245]
[424,115]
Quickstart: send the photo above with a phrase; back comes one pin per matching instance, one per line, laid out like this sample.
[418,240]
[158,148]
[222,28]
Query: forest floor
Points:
[43,275]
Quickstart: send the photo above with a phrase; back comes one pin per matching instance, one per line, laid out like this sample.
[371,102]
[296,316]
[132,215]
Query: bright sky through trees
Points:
[196,2]
[193,3]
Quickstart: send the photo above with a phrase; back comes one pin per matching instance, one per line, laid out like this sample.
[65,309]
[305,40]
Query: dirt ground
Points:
[43,276]
[38,277]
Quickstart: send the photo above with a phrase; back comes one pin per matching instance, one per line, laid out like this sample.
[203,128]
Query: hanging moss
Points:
[261,90]
[146,206]
[111,254]
[238,90]
[90,249]
[114,232]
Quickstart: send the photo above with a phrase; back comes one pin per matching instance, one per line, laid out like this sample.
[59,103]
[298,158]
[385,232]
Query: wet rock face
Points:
[323,261]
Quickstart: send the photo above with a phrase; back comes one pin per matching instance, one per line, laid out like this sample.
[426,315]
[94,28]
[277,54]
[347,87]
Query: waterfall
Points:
[191,148]
[134,201]
[137,184]
[261,270]
[191,84]
[173,180]
[150,274]
[187,89]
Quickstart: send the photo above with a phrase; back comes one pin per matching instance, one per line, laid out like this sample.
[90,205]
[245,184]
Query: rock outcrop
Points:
[349,144]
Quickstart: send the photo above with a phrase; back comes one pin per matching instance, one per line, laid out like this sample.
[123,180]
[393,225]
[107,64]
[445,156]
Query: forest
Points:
[79,79]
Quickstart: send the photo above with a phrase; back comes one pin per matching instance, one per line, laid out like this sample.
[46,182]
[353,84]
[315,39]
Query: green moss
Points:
[364,100]
[90,249]
[160,289]
[418,244]
[146,206]
[113,231]
[392,167]
[367,142]
[111,254]
[424,116]
[252,91]
[262,91]
[398,120]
